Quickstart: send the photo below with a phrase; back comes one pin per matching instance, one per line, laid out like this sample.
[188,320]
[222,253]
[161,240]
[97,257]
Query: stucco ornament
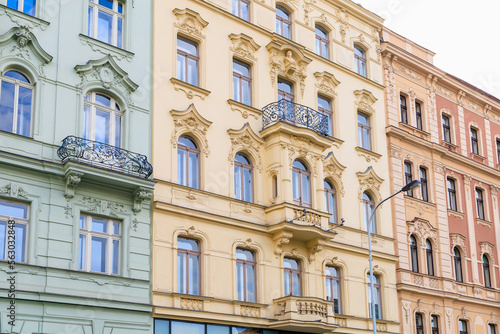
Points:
[13,190]
[141,195]
[244,46]
[307,9]
[365,100]
[326,83]
[190,121]
[72,180]
[458,240]
[342,17]
[280,240]
[369,180]
[288,62]
[422,229]
[333,169]
[245,140]
[190,22]
[102,207]
[487,248]
[105,72]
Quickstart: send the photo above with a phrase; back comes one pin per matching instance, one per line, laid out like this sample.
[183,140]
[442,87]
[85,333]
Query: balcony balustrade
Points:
[105,156]
[296,114]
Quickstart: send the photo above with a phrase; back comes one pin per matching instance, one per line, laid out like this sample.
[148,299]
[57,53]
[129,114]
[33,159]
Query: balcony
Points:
[104,156]
[296,114]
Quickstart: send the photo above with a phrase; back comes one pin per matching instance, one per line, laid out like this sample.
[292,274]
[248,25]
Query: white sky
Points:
[464,34]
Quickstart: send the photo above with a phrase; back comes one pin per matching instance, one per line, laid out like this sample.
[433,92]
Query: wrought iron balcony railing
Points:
[105,156]
[294,113]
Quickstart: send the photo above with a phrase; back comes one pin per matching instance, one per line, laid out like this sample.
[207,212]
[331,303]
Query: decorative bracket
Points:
[72,180]
[280,240]
[315,246]
[141,195]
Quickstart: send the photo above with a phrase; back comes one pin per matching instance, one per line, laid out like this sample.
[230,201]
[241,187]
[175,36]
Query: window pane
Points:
[213,329]
[7,106]
[30,7]
[116,228]
[20,233]
[90,27]
[237,181]
[235,7]
[14,4]
[181,167]
[162,326]
[246,89]
[82,249]
[105,27]
[86,122]
[99,225]
[120,8]
[240,287]
[287,284]
[193,170]
[187,328]
[118,130]
[193,72]
[329,289]
[248,185]
[119,34]
[181,273]
[187,46]
[98,254]
[15,210]
[236,89]
[83,222]
[296,191]
[194,277]
[102,125]
[116,256]
[3,239]
[306,189]
[181,67]
[106,3]
[296,284]
[250,270]
[24,111]
[187,244]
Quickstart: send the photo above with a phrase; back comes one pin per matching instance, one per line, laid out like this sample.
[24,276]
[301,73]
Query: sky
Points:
[464,34]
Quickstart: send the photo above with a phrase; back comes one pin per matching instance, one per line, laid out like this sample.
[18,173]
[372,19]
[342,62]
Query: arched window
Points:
[102,119]
[414,254]
[430,258]
[331,201]
[359,60]
[457,260]
[243,179]
[419,323]
[378,296]
[368,206]
[293,277]
[245,275]
[16,100]
[492,329]
[322,42]
[434,324]
[188,266]
[188,170]
[333,288]
[486,272]
[404,110]
[480,204]
[462,327]
[301,184]
[283,22]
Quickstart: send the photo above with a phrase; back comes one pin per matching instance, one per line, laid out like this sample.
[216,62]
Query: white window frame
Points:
[18,84]
[116,15]
[18,221]
[109,246]
[20,7]
[113,112]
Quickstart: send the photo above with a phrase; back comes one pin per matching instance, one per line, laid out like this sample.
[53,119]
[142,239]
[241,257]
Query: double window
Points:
[404,109]
[188,172]
[293,277]
[419,323]
[188,266]
[187,61]
[474,141]
[446,129]
[283,22]
[423,184]
[325,108]
[241,8]
[480,204]
[99,245]
[368,206]
[25,6]
[102,119]
[331,201]
[462,327]
[452,194]
[364,131]
[414,254]
[486,272]
[245,275]
[301,184]
[14,218]
[378,296]
[333,288]
[242,83]
[243,185]
[16,101]
[429,257]
[434,324]
[322,42]
[408,177]
[105,21]
[359,60]
[457,261]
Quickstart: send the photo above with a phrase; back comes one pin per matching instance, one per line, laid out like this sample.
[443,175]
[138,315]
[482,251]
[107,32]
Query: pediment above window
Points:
[191,122]
[190,22]
[333,169]
[244,46]
[422,229]
[365,100]
[245,139]
[458,240]
[487,248]
[326,83]
[20,42]
[369,180]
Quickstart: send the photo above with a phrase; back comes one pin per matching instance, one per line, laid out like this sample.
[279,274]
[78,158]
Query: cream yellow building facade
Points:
[446,133]
[243,236]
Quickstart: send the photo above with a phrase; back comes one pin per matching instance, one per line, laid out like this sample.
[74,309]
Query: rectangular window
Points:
[245,275]
[452,194]
[492,329]
[364,131]
[418,115]
[408,177]
[99,245]
[480,204]
[474,141]
[293,277]
[241,8]
[446,129]
[378,297]
[333,289]
[419,323]
[188,266]
[187,61]
[404,110]
[325,107]
[242,83]
[434,324]
[498,151]
[423,184]
[14,218]
[105,21]
[462,326]
[25,6]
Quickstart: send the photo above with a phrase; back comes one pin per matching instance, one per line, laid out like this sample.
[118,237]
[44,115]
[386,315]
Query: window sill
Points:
[450,146]
[105,49]
[455,214]
[367,154]
[244,110]
[20,18]
[477,157]
[421,133]
[190,90]
[483,222]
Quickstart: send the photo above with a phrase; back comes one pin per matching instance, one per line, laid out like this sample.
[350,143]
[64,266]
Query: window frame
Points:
[93,32]
[408,176]
[243,166]
[246,263]
[486,272]
[284,21]
[332,191]
[480,207]
[377,285]
[424,190]
[457,263]
[20,8]
[327,112]
[109,236]
[464,322]
[360,60]
[452,194]
[368,206]
[189,150]
[301,172]
[365,128]
[429,256]
[414,254]
[330,279]
[323,42]
[187,56]
[18,221]
[474,141]
[115,112]
[290,272]
[286,95]
[446,127]
[418,116]
[434,321]
[189,253]
[241,78]
[498,151]
[403,108]
[419,325]
[15,107]
[248,2]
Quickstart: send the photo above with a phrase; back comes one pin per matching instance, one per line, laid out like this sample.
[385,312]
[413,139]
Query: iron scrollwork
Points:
[105,156]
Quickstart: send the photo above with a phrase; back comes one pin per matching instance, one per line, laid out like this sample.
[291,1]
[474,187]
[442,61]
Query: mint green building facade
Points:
[75,186]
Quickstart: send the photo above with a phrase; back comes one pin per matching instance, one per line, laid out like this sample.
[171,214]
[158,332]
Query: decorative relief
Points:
[487,110]
[334,169]
[244,46]
[418,280]
[342,17]
[287,61]
[478,292]
[307,9]
[458,240]
[301,148]
[326,83]
[487,248]
[105,72]
[141,195]
[134,225]
[68,210]
[369,180]
[406,309]
[191,304]
[445,92]
[422,229]
[460,98]
[249,311]
[14,190]
[341,321]
[246,140]
[381,326]
[102,207]
[439,168]
[190,22]
[244,109]
[365,100]
[21,21]
[190,121]
[72,181]
[106,49]
[281,240]
[433,283]
[389,60]
[314,247]
[409,72]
